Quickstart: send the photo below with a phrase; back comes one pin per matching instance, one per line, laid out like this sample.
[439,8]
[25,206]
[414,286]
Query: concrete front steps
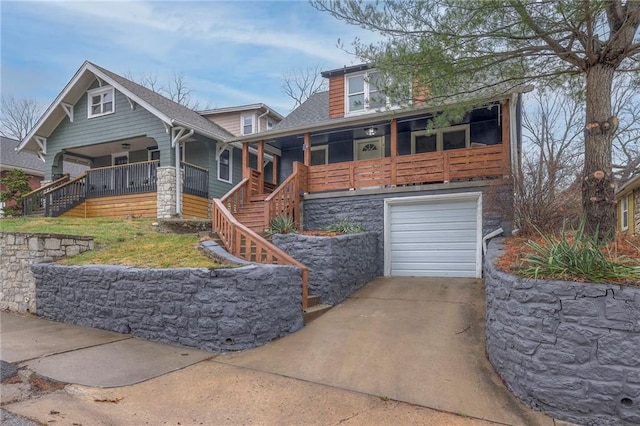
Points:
[314,309]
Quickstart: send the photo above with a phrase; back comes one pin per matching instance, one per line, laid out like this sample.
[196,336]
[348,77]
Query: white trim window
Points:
[624,213]
[269,124]
[225,165]
[100,101]
[363,93]
[153,154]
[319,155]
[441,139]
[247,124]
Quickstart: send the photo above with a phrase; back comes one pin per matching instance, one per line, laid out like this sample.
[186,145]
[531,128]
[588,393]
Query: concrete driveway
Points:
[399,351]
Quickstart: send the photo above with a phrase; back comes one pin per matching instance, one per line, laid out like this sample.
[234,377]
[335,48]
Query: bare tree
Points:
[177,88]
[18,116]
[626,141]
[546,193]
[299,84]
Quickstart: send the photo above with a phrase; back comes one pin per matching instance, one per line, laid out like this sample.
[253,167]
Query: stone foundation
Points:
[18,252]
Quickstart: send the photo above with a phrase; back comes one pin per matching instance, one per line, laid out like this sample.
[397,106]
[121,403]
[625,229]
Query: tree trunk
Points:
[598,199]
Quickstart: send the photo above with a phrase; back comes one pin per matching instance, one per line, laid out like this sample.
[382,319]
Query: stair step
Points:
[313,300]
[314,312]
[258,198]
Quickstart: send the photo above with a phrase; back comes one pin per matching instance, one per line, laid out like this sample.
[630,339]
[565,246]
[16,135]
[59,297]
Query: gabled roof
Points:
[170,112]
[11,159]
[241,108]
[628,186]
[313,110]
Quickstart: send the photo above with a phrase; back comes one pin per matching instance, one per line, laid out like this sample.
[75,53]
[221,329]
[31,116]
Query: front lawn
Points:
[130,242]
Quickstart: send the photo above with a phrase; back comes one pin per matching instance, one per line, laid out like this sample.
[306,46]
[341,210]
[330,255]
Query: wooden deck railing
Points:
[286,198]
[33,202]
[65,197]
[431,167]
[196,180]
[124,179]
[246,244]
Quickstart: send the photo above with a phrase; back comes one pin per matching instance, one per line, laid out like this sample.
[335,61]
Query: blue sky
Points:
[231,53]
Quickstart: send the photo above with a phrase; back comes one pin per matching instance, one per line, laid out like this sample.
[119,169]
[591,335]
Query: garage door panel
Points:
[434,239]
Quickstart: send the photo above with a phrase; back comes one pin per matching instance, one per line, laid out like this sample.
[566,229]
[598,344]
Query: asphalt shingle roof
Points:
[168,107]
[314,110]
[22,160]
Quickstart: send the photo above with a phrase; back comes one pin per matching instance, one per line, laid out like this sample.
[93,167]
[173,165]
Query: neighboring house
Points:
[245,119]
[134,140]
[430,196]
[628,206]
[27,162]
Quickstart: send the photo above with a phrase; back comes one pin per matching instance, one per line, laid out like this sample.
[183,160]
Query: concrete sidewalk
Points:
[400,351]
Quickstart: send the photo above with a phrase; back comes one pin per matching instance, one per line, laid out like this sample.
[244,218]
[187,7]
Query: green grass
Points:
[131,242]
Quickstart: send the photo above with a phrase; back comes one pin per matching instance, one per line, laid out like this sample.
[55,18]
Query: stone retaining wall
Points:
[217,310]
[570,349]
[18,251]
[338,265]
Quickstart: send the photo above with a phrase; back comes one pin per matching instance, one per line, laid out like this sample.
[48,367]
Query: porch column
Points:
[506,132]
[245,160]
[166,192]
[260,166]
[394,150]
[307,149]
[274,170]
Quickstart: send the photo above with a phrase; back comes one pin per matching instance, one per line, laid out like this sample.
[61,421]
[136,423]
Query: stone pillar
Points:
[166,192]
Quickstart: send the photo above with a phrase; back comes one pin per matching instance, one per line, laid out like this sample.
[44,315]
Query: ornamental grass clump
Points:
[345,226]
[281,224]
[576,256]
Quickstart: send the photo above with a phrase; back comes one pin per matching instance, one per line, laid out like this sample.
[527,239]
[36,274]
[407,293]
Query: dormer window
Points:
[100,102]
[363,92]
[247,123]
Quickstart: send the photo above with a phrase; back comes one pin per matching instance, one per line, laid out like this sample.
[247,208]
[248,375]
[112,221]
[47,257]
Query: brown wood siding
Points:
[194,206]
[118,207]
[336,97]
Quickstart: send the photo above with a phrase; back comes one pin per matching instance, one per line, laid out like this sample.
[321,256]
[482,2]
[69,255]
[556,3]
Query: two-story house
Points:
[430,194]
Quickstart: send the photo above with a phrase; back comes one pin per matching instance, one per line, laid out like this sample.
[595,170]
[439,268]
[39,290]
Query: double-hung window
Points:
[225,165]
[624,213]
[247,123]
[100,101]
[364,92]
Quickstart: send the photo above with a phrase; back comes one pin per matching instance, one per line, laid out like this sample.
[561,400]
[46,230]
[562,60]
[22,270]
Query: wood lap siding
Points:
[194,206]
[336,97]
[124,206]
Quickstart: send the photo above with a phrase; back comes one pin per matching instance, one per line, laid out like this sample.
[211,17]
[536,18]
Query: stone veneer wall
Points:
[218,310]
[366,207]
[338,265]
[166,192]
[18,252]
[570,349]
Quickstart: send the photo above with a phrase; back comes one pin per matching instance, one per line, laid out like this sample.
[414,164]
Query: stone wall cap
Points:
[41,235]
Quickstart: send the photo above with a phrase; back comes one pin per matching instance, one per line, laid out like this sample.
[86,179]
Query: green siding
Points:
[122,124]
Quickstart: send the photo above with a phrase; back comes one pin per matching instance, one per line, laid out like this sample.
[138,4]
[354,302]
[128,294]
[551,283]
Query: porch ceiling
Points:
[108,148]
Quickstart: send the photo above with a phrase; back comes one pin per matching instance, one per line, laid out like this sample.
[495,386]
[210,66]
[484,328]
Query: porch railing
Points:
[246,244]
[431,167]
[123,179]
[33,202]
[65,196]
[196,180]
[239,195]
[286,198]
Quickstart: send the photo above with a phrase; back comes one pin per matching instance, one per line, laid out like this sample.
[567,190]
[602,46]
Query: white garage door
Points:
[433,236]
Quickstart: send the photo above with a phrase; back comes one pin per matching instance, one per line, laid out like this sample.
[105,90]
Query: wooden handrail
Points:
[286,198]
[194,166]
[123,165]
[246,244]
[72,181]
[48,185]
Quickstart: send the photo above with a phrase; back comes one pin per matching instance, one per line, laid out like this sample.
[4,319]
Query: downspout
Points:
[260,116]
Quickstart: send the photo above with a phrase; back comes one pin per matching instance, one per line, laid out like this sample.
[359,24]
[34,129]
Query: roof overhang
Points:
[241,108]
[364,119]
[27,170]
[629,186]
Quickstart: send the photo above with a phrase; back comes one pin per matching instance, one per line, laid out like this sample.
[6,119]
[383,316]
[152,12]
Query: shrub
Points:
[281,224]
[345,226]
[576,256]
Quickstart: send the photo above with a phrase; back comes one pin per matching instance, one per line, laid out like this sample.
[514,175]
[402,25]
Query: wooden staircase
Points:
[252,213]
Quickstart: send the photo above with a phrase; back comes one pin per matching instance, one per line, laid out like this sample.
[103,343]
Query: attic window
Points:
[363,93]
[100,101]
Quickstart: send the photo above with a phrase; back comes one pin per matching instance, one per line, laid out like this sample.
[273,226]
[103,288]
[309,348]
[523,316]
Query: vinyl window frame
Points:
[230,165]
[440,136]
[366,92]
[101,91]
[624,213]
[243,118]
[324,148]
